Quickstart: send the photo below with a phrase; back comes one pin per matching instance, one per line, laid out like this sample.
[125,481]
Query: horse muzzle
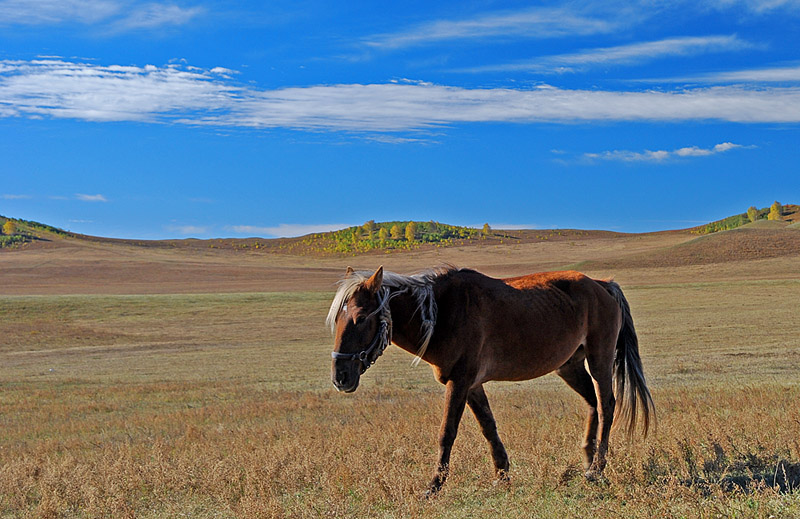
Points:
[345,376]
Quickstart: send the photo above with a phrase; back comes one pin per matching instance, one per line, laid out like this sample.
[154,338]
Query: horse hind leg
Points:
[600,364]
[477,401]
[575,375]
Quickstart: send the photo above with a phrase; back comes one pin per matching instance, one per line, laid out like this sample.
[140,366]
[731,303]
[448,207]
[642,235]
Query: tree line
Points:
[772,213]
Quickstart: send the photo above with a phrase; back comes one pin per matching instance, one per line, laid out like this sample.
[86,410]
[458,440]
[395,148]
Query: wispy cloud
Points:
[781,74]
[510,226]
[575,18]
[622,55]
[90,198]
[150,16]
[49,12]
[114,15]
[757,6]
[15,197]
[187,230]
[535,23]
[287,230]
[661,155]
[187,95]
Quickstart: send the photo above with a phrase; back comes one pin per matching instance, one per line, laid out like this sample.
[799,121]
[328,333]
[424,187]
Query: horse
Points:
[472,328]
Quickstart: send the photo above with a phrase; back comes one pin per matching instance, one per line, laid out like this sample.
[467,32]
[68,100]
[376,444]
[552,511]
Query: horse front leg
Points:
[477,401]
[455,400]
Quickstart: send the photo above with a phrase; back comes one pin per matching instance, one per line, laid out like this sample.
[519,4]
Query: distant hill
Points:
[762,239]
[41,259]
[789,214]
[24,231]
[387,237]
[368,238]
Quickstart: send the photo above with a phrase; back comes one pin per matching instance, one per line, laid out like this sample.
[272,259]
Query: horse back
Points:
[540,320]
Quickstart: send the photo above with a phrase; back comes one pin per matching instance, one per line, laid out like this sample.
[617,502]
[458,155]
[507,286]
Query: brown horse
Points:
[472,328]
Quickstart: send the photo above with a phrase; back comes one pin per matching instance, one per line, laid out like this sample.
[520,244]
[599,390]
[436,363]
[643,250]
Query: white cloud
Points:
[623,54]
[510,226]
[187,95]
[758,6]
[222,71]
[153,15]
[785,74]
[288,230]
[47,12]
[108,14]
[661,155]
[571,19]
[16,197]
[64,89]
[90,198]
[535,23]
[187,230]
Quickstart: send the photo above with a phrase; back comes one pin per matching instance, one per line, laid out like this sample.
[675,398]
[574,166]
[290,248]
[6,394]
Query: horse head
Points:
[362,330]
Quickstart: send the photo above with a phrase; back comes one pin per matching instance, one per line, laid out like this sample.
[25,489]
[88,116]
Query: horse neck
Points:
[406,321]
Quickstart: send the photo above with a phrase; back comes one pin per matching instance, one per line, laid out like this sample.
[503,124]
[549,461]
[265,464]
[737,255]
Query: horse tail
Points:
[630,389]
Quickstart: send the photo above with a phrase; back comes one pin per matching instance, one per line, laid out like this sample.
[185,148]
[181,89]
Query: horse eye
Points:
[360,319]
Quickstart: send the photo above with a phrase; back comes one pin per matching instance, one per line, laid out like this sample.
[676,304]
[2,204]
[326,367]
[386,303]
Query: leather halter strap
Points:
[380,342]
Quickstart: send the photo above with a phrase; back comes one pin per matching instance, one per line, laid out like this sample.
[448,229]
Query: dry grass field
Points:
[155,382]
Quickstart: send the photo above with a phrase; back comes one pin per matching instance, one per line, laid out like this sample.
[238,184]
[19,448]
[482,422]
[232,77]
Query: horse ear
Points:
[373,284]
[349,272]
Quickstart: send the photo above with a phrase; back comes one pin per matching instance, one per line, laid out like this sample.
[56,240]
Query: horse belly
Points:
[525,359]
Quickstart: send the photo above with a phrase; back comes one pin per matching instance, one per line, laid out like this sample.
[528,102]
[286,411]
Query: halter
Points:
[379,343]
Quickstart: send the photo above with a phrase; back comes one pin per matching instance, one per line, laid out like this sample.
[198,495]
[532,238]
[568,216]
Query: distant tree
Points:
[752,214]
[486,229]
[775,211]
[383,234]
[369,226]
[9,228]
[395,232]
[411,231]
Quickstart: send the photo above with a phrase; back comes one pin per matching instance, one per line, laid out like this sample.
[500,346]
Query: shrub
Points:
[775,211]
[395,232]
[411,232]
[9,228]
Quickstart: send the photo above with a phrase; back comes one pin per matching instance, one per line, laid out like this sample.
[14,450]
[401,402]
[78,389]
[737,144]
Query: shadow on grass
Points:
[783,477]
[745,471]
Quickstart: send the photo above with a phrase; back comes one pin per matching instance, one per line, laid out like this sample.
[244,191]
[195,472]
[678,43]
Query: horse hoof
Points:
[593,476]
[502,478]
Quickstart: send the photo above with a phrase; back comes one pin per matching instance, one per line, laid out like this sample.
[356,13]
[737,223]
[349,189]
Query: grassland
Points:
[218,404]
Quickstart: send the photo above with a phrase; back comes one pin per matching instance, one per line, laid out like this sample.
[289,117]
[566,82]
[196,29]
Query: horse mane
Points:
[419,285]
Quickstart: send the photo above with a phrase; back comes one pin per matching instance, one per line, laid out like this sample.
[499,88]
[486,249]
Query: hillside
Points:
[735,239]
[344,242]
[788,213]
[755,241]
[53,261]
[372,237]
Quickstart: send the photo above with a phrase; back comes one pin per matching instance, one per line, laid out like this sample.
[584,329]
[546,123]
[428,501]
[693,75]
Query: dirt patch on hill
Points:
[743,244]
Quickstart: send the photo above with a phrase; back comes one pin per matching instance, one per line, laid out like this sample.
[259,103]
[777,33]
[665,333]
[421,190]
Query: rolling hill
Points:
[48,260]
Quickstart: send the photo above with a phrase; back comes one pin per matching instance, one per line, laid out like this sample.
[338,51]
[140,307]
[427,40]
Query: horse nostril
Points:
[341,377]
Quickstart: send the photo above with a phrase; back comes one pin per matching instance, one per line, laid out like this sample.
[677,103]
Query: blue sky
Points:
[209,119]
